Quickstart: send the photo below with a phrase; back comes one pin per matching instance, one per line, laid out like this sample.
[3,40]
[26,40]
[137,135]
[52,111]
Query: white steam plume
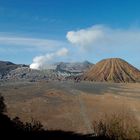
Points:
[85,37]
[99,36]
[44,61]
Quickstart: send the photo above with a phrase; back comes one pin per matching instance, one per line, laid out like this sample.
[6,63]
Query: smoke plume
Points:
[44,61]
[85,37]
[101,36]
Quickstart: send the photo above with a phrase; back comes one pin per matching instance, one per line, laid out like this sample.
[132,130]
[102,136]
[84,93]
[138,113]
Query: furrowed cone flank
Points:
[113,70]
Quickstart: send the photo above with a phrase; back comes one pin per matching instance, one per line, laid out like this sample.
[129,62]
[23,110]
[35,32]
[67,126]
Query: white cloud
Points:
[85,37]
[34,46]
[99,36]
[44,61]
[31,43]
[62,52]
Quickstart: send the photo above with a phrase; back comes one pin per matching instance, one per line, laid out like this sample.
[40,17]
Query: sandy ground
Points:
[67,105]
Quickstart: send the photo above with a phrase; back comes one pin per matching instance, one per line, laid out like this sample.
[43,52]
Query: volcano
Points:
[113,70]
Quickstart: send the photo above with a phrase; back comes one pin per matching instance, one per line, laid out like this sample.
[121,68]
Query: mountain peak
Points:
[74,67]
[113,70]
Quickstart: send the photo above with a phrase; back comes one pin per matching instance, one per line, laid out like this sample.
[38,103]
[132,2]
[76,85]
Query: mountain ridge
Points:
[74,67]
[112,70]
[9,70]
[107,70]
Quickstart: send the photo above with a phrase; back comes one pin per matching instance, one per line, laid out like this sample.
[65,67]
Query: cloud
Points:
[85,37]
[13,45]
[44,61]
[103,37]
[31,43]
[62,52]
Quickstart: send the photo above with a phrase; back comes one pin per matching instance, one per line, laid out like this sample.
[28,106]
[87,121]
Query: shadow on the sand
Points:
[11,129]
[15,129]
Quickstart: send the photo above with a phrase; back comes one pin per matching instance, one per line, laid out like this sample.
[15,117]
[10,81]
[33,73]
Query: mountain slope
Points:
[6,67]
[11,71]
[113,70]
[25,73]
[75,67]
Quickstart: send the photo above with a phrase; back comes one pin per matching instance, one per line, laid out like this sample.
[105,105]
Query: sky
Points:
[40,32]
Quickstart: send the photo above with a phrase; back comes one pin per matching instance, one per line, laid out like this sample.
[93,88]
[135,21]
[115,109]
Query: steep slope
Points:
[25,73]
[6,67]
[75,67]
[11,71]
[113,70]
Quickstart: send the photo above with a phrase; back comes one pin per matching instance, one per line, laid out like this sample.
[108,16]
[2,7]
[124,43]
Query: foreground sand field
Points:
[69,106]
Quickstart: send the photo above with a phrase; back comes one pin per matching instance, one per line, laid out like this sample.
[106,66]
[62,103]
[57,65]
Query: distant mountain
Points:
[112,70]
[26,73]
[109,70]
[11,71]
[73,67]
[6,67]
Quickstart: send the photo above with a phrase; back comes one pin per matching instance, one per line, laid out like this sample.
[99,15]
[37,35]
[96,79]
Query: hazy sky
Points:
[69,30]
